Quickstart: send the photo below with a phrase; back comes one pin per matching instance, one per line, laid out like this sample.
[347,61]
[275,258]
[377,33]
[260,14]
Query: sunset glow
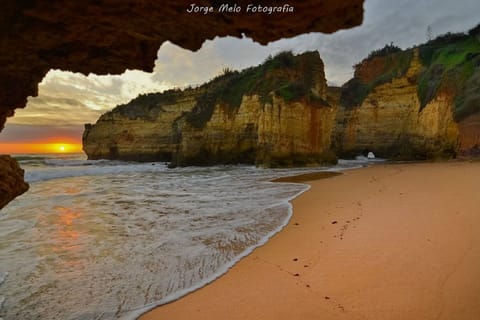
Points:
[27,148]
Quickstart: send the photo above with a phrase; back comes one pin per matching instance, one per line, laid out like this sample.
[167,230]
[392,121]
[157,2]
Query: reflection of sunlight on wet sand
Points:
[67,215]
[72,190]
[67,238]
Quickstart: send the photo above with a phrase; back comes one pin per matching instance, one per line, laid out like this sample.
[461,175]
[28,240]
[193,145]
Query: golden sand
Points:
[384,242]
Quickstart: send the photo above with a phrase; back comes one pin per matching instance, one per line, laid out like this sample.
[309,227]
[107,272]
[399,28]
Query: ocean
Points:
[110,239]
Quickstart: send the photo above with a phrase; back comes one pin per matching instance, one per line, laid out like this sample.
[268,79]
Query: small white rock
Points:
[371,155]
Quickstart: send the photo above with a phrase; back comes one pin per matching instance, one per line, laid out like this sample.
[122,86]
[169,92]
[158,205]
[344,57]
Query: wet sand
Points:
[385,242]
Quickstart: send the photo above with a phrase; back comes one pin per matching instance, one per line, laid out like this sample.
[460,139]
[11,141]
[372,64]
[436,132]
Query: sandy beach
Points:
[386,242]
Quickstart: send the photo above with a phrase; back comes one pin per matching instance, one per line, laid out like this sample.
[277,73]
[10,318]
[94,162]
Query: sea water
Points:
[108,239]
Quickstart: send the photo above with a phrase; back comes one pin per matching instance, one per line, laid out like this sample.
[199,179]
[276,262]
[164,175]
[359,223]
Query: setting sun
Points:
[28,148]
[62,148]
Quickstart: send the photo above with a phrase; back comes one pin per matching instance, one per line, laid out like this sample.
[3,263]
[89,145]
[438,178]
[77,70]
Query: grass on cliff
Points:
[452,64]
[147,106]
[273,76]
[396,65]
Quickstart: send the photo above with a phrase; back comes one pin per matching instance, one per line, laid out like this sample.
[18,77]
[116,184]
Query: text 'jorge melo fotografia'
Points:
[235,8]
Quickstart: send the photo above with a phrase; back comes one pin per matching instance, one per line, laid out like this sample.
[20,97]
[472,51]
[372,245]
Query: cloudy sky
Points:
[66,100]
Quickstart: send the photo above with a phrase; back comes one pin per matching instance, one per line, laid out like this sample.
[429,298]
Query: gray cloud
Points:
[17,133]
[57,111]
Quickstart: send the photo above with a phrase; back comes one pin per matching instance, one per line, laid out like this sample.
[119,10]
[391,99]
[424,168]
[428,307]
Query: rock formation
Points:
[274,114]
[11,180]
[414,104]
[391,123]
[420,103]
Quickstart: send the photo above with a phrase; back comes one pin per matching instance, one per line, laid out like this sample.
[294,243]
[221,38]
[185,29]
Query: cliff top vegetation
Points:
[285,75]
[451,63]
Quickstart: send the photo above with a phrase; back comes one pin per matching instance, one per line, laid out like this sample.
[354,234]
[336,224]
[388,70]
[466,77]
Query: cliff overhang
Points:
[110,36]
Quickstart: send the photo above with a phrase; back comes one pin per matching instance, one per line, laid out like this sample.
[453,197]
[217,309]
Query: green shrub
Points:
[447,38]
[475,31]
[397,63]
[428,84]
[388,49]
[272,76]
[147,106]
[353,93]
[450,61]
[467,101]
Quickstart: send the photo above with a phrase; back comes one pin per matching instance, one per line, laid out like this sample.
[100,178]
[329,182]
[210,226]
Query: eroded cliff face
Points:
[391,123]
[272,134]
[285,115]
[145,134]
[283,120]
[469,137]
[11,180]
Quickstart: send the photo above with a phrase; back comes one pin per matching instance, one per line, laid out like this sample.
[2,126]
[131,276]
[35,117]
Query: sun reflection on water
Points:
[67,238]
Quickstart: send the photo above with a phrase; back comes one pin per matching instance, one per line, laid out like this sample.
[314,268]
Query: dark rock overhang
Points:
[110,36]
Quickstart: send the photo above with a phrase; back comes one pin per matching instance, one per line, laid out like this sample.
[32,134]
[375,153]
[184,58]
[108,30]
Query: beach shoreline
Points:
[384,242]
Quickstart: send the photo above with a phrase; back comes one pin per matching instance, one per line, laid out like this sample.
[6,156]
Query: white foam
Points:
[343,165]
[171,230]
[3,276]
[94,169]
[135,313]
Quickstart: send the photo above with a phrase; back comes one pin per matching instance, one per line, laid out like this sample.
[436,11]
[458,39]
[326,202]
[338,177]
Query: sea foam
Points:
[121,238]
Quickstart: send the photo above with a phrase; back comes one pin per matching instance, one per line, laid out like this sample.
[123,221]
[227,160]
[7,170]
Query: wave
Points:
[137,312]
[3,276]
[68,168]
[358,161]
[29,158]
[170,231]
[86,168]
[77,162]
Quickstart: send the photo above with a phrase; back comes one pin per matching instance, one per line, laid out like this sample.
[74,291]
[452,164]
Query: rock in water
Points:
[370,155]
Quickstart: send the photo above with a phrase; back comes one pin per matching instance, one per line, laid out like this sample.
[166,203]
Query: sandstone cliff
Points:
[420,103]
[273,114]
[141,130]
[391,123]
[11,180]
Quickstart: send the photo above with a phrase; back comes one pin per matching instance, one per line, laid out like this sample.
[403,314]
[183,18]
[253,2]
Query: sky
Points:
[67,100]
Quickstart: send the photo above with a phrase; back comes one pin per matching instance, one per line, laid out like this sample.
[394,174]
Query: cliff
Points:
[420,103]
[415,104]
[391,122]
[269,115]
[11,180]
